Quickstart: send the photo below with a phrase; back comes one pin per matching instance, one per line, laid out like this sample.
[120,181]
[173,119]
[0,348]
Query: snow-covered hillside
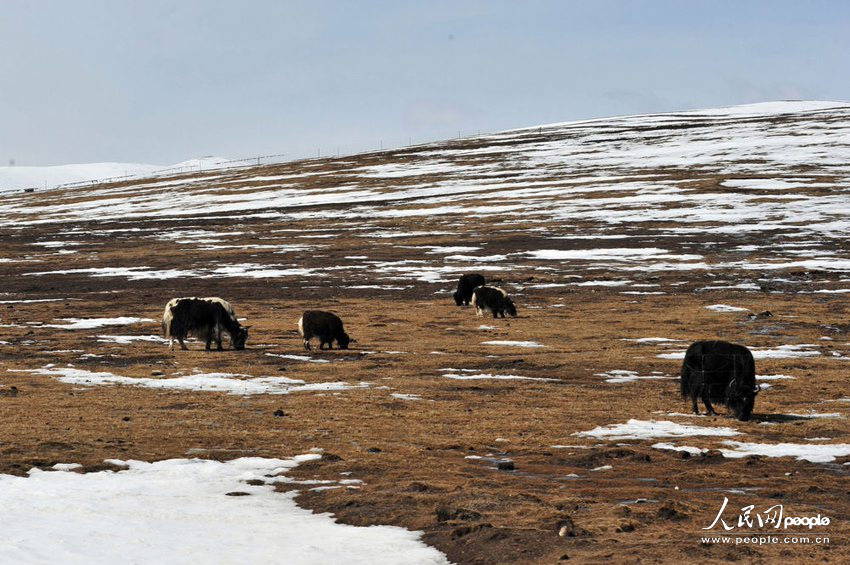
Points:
[768,148]
[629,194]
[18,178]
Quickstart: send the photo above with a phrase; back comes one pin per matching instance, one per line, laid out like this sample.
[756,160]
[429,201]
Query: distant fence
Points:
[246,162]
[172,171]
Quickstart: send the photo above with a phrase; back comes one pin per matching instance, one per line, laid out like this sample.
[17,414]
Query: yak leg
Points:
[694,402]
[321,344]
[307,344]
[218,338]
[707,402]
[182,345]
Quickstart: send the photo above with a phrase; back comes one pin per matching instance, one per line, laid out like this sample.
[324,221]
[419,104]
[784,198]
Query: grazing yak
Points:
[493,299]
[718,371]
[465,285]
[325,326]
[204,318]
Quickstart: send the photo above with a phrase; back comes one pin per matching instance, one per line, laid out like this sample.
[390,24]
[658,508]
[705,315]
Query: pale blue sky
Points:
[162,81]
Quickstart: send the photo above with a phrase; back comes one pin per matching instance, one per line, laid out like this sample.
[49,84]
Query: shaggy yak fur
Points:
[204,318]
[325,326]
[722,372]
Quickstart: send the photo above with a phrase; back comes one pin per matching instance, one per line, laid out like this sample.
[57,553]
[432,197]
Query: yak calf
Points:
[325,326]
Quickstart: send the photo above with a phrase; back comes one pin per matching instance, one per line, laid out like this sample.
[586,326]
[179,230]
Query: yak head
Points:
[510,307]
[740,398]
[343,341]
[458,298]
[239,338]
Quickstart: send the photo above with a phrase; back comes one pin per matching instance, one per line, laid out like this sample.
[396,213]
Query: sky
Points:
[162,81]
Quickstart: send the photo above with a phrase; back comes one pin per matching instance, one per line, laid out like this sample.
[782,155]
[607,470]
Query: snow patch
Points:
[643,429]
[618,376]
[725,308]
[671,447]
[230,383]
[89,323]
[177,511]
[814,453]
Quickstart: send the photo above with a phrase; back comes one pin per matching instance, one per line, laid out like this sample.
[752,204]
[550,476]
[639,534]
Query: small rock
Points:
[279,413]
[126,418]
[373,450]
[505,466]
[157,373]
[237,493]
[566,528]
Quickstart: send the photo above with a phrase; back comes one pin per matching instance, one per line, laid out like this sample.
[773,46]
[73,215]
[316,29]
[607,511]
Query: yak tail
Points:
[475,299]
[684,383]
[167,318]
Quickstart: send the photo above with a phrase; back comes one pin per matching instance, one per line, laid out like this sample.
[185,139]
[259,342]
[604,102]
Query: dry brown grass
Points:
[412,454]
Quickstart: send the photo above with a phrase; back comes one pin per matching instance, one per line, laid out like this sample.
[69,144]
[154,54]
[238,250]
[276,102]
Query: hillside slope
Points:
[17,179]
[621,240]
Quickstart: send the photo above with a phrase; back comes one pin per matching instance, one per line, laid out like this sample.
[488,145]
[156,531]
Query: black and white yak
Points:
[492,299]
[325,326]
[204,318]
[722,372]
[465,285]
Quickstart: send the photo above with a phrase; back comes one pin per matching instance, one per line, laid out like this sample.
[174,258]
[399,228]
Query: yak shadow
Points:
[779,418]
[763,418]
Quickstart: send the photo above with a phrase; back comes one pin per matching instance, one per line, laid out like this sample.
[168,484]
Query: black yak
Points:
[718,371]
[325,326]
[465,285]
[493,299]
